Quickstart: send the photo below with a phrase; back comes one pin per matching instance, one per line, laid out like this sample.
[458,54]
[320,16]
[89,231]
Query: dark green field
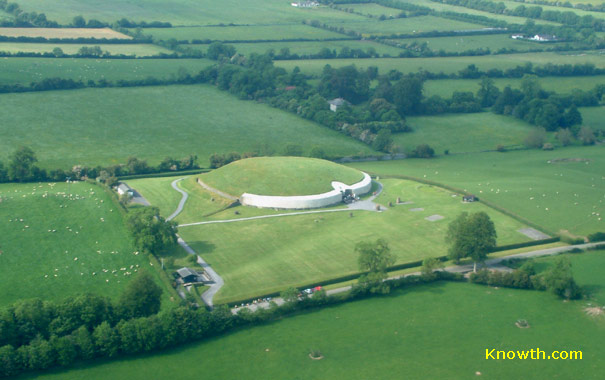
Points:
[65,129]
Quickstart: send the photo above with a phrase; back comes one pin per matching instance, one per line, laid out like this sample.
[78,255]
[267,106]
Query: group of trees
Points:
[24,19]
[21,167]
[152,234]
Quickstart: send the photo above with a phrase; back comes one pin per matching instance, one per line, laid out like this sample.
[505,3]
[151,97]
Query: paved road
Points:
[184,198]
[492,263]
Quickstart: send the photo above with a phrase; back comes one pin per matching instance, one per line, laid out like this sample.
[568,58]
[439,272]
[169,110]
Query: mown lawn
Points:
[436,331]
[261,256]
[54,246]
[559,190]
[462,133]
[154,122]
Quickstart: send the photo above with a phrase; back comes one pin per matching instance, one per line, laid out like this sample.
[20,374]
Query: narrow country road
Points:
[495,263]
[217,281]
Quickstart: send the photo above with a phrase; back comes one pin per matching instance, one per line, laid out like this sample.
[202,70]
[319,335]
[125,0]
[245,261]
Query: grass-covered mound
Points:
[280,176]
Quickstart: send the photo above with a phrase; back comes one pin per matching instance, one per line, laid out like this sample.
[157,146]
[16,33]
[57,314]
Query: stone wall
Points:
[307,201]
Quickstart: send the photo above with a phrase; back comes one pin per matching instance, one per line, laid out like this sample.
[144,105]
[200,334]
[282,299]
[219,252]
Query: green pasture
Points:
[562,85]
[141,50]
[420,24]
[440,7]
[593,117]
[306,47]
[458,44]
[56,245]
[559,190]
[106,126]
[280,176]
[513,4]
[267,255]
[446,65]
[463,133]
[183,12]
[372,9]
[158,192]
[435,331]
[242,33]
[26,70]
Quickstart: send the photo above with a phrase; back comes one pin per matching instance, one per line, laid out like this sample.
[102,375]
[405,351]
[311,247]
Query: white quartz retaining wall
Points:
[307,201]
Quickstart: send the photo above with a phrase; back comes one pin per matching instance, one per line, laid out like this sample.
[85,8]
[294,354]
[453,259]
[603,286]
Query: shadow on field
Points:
[202,247]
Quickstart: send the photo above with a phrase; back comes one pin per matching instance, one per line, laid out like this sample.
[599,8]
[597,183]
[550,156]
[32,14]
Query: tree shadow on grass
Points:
[202,247]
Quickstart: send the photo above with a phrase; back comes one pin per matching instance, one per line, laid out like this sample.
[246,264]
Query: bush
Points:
[597,236]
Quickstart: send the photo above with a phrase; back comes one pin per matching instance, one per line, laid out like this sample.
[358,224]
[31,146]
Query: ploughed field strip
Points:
[61,33]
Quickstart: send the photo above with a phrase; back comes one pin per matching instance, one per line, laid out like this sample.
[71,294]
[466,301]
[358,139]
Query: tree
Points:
[407,95]
[535,138]
[374,256]
[573,116]
[429,266]
[58,52]
[141,297]
[383,140]
[564,136]
[471,236]
[488,92]
[151,232]
[289,295]
[106,340]
[79,22]
[586,136]
[559,280]
[21,165]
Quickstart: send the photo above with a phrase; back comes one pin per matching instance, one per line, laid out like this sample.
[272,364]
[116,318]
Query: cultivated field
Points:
[512,5]
[562,85]
[559,190]
[372,9]
[400,342]
[64,33]
[463,133]
[594,116]
[279,176]
[310,47]
[494,42]
[268,255]
[26,70]
[243,33]
[139,50]
[448,64]
[152,123]
[55,245]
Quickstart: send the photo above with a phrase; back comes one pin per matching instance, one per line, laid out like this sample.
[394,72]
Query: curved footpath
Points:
[216,279]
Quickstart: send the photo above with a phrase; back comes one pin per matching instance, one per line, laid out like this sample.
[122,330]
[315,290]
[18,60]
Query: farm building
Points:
[124,189]
[305,4]
[469,198]
[543,38]
[335,104]
[187,275]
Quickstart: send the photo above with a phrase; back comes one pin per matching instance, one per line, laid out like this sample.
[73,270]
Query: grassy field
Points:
[158,192]
[512,5]
[244,32]
[416,333]
[563,85]
[280,176]
[25,70]
[594,117]
[559,190]
[139,50]
[372,9]
[267,255]
[421,24]
[308,47]
[461,133]
[60,246]
[446,64]
[182,12]
[152,123]
[453,8]
[63,33]
[459,44]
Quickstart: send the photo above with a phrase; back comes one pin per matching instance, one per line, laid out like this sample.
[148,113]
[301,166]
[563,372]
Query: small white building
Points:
[543,38]
[337,103]
[124,189]
[517,36]
[305,4]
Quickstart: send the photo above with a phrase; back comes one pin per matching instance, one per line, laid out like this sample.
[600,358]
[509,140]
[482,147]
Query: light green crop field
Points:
[142,50]
[512,5]
[372,9]
[494,42]
[280,176]
[420,24]
[267,255]
[54,246]
[242,33]
[461,133]
[458,9]
[593,117]
[562,85]
[559,190]
[182,12]
[415,332]
[308,47]
[26,70]
[447,65]
[152,123]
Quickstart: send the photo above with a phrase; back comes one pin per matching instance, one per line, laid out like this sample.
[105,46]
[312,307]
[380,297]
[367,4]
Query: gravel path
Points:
[492,263]
[183,199]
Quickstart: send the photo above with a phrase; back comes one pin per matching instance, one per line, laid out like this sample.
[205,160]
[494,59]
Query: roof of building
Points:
[186,272]
[124,187]
[338,102]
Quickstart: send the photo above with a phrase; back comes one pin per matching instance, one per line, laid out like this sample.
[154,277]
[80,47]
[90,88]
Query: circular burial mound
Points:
[280,176]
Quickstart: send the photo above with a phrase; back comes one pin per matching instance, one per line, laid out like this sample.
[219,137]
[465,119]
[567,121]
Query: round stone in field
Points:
[280,176]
